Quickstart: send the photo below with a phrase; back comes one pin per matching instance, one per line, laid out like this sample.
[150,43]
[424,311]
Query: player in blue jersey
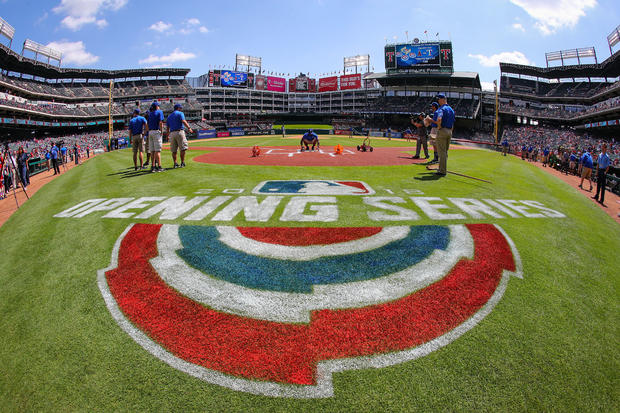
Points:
[445,125]
[309,138]
[586,168]
[137,126]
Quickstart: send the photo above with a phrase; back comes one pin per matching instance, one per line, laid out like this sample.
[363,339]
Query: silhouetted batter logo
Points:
[276,311]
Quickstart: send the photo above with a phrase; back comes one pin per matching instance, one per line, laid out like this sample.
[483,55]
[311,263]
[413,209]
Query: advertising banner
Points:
[350,82]
[328,84]
[223,134]
[276,84]
[612,122]
[260,83]
[234,79]
[235,131]
[292,85]
[9,120]
[207,133]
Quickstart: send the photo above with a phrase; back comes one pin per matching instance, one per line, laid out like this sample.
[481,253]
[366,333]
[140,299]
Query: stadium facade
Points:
[41,98]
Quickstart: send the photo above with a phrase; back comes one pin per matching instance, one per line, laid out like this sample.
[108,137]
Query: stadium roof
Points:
[609,68]
[13,62]
[456,79]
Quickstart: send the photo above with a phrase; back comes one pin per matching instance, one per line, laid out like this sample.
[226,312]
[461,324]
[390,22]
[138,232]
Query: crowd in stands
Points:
[558,141]
[36,153]
[81,90]
[559,112]
[414,104]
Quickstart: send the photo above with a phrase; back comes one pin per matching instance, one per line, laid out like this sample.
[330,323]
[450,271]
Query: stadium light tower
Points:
[7,31]
[248,62]
[39,49]
[613,39]
[355,61]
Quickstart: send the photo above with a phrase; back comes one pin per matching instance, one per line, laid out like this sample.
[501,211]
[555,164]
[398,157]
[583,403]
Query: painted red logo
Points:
[276,311]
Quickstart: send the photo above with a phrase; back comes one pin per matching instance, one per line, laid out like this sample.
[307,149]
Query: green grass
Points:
[551,344]
[303,126]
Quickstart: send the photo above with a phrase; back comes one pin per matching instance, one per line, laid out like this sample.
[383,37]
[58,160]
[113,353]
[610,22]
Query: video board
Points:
[230,78]
[419,56]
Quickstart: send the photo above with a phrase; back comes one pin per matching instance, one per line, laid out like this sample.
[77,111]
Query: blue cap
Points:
[435,104]
[440,96]
[136,111]
[178,106]
[155,103]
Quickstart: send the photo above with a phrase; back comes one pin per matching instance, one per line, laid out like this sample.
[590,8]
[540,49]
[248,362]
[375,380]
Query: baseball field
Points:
[309,281]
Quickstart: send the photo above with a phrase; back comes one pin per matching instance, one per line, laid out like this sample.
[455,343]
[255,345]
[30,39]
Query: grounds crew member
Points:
[137,126]
[445,124]
[155,129]
[309,138]
[176,134]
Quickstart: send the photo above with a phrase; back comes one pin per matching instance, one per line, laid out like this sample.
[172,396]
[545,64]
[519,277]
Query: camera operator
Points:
[422,141]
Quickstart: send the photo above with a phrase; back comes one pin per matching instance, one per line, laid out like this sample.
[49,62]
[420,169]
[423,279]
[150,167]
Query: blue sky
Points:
[309,36]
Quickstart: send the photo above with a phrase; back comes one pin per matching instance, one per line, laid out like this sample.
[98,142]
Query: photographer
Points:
[22,167]
[422,141]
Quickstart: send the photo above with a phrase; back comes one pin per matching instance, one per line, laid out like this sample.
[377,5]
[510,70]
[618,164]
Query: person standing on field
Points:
[445,124]
[176,133]
[155,125]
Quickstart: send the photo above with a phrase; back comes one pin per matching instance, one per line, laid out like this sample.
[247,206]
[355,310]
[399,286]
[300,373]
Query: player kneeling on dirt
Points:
[309,138]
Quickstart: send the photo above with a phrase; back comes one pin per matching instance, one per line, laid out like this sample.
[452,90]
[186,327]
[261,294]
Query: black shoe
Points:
[415,157]
[426,157]
[154,170]
[176,165]
[182,164]
[433,162]
[135,168]
[594,197]
[440,174]
[146,164]
[160,169]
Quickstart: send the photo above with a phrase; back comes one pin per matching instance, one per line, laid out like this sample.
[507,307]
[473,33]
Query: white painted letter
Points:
[252,210]
[424,203]
[294,210]
[381,202]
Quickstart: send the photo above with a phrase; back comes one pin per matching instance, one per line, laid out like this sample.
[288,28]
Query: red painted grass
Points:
[288,353]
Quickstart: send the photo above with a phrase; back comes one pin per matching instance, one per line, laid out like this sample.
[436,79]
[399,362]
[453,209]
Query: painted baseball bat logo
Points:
[276,311]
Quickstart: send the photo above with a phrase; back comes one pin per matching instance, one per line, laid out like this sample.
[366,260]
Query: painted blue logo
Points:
[309,187]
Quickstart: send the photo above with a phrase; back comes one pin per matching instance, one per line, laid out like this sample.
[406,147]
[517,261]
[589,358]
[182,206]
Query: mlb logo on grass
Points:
[313,187]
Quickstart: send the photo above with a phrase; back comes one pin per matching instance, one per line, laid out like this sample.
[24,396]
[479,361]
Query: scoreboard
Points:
[413,57]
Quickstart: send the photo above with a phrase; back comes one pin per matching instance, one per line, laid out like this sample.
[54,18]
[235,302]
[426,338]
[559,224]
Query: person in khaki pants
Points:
[445,124]
[176,134]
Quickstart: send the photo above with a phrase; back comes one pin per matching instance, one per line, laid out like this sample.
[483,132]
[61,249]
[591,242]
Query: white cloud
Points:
[551,15]
[506,57]
[176,56]
[192,22]
[82,12]
[185,31]
[160,26]
[203,29]
[518,26]
[74,52]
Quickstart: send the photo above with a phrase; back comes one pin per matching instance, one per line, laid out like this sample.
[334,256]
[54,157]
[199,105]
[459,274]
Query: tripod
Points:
[7,164]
